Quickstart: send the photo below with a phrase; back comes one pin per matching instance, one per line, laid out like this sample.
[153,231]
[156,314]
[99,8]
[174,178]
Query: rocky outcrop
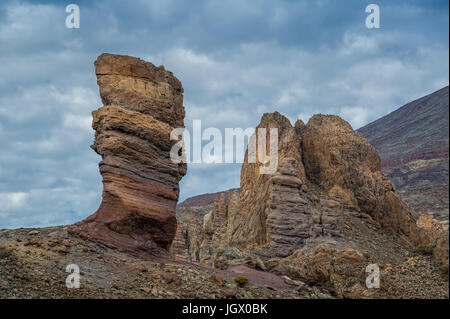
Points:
[208,225]
[337,270]
[219,216]
[438,235]
[179,248]
[254,196]
[289,212]
[326,172]
[432,227]
[335,155]
[194,238]
[142,104]
[233,217]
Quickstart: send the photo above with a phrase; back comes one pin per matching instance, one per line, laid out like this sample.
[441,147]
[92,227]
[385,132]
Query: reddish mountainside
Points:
[205,199]
[413,145]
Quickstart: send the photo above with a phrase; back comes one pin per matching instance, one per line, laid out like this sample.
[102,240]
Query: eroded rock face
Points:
[194,238]
[438,235]
[326,171]
[337,157]
[142,104]
[254,196]
[179,247]
[325,266]
[289,212]
[233,218]
[432,227]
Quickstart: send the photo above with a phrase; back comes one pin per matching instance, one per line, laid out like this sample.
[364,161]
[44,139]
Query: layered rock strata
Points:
[179,248]
[194,238]
[254,195]
[142,104]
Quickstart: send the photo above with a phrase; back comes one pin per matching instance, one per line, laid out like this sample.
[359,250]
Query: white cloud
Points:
[78,122]
[356,116]
[13,200]
[359,44]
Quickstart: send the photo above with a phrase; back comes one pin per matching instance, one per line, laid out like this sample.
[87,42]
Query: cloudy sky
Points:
[236,60]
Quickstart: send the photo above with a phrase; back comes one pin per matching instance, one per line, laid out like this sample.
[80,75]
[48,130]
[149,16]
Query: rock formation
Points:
[326,171]
[142,104]
[289,213]
[432,227]
[336,156]
[179,247]
[254,195]
[233,217]
[194,238]
[438,235]
[338,270]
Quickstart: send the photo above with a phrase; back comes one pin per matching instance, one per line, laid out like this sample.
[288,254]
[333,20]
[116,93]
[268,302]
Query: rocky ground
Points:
[33,264]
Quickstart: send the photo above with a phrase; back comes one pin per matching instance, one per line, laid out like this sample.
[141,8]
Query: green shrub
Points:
[426,250]
[241,281]
[208,231]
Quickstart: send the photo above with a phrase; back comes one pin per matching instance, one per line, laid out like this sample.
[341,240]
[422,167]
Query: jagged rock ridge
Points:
[325,167]
[328,174]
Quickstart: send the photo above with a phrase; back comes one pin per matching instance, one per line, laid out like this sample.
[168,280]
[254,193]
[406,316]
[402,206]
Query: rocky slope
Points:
[205,199]
[142,104]
[33,265]
[199,205]
[413,143]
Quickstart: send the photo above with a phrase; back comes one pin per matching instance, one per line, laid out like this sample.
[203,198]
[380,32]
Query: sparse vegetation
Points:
[208,231]
[241,281]
[350,282]
[426,250]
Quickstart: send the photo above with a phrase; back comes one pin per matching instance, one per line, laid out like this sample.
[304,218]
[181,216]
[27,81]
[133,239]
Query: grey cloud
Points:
[236,60]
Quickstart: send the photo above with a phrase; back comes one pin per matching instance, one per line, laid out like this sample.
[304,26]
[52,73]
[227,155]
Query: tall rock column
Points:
[195,237]
[233,217]
[142,104]
[254,196]
[179,247]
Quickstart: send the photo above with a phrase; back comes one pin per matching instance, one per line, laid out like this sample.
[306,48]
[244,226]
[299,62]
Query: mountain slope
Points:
[199,205]
[413,143]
